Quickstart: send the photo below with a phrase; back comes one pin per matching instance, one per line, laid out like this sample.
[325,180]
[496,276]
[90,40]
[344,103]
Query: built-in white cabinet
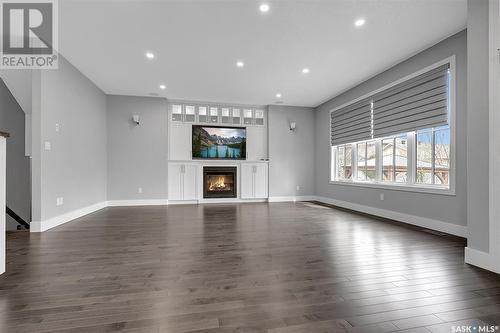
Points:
[254,180]
[182,183]
[217,115]
[180,142]
[256,143]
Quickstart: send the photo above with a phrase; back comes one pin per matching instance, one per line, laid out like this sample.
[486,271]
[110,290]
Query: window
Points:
[343,158]
[424,157]
[432,160]
[400,136]
[442,149]
[433,156]
[365,162]
[395,159]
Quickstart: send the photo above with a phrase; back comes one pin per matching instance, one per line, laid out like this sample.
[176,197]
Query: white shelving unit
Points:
[185,175]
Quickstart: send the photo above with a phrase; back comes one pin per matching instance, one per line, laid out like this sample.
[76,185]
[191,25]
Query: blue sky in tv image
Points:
[226,132]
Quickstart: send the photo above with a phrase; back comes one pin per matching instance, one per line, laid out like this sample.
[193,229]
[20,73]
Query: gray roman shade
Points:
[351,123]
[420,102]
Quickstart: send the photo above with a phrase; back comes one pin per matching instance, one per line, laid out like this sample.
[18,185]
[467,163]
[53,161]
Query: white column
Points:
[3,154]
[494,165]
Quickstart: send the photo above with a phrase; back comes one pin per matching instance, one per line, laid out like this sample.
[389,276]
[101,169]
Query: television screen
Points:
[214,142]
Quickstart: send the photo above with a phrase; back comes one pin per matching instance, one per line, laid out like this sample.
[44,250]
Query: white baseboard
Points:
[482,259]
[182,202]
[292,198]
[127,203]
[449,228]
[40,226]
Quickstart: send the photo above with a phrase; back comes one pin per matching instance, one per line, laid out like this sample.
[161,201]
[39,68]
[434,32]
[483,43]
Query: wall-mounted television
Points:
[217,142]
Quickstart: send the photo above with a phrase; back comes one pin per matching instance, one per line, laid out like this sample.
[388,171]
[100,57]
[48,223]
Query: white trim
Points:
[449,228]
[127,203]
[292,198]
[39,226]
[396,187]
[482,259]
[182,202]
[3,196]
[494,122]
[411,187]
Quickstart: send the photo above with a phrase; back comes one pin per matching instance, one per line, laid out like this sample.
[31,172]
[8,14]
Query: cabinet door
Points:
[247,175]
[260,181]
[190,174]
[180,142]
[175,181]
[256,143]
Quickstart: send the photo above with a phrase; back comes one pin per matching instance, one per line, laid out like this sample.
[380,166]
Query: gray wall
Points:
[18,165]
[291,153]
[477,125]
[137,155]
[452,209]
[76,166]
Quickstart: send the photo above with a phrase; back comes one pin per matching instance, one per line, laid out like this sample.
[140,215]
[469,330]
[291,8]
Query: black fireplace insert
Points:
[219,182]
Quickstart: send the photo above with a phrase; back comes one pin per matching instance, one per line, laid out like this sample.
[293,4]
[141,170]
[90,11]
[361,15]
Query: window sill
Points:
[398,187]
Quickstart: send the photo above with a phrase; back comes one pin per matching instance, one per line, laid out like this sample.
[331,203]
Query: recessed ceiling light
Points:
[264,7]
[359,22]
[278,95]
[305,70]
[163,87]
[150,55]
[240,64]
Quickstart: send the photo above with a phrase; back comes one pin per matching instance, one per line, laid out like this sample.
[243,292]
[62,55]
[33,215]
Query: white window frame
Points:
[410,186]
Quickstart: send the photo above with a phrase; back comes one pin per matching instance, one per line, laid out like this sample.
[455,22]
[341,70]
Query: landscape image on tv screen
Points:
[219,142]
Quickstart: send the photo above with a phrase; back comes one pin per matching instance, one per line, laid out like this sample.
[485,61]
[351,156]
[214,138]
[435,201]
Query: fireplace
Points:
[219,182]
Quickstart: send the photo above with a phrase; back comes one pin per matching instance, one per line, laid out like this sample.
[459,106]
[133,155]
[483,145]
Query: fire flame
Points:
[217,184]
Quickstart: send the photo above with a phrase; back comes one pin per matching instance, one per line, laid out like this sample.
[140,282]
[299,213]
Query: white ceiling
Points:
[197,43]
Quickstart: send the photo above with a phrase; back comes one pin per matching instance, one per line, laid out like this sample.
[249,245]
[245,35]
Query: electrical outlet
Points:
[382,196]
[58,127]
[60,201]
[139,190]
[298,188]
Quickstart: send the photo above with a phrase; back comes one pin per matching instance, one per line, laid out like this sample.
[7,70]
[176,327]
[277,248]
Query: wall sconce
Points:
[292,125]
[135,119]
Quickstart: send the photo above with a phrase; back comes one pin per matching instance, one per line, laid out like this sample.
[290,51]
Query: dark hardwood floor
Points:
[260,267]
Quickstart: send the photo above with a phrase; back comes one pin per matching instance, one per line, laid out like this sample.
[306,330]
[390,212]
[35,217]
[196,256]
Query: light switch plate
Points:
[47,145]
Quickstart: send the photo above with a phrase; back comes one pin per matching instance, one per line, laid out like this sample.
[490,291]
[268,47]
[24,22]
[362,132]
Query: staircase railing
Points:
[17,218]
